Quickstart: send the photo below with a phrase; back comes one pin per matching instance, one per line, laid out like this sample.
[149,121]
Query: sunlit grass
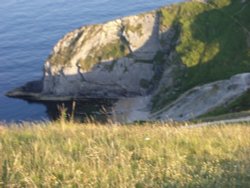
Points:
[67,154]
[212,44]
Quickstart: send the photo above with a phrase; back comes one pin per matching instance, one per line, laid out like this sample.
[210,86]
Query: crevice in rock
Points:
[123,38]
[79,71]
[61,73]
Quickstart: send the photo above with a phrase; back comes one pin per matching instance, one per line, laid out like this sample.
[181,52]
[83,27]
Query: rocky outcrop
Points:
[107,60]
[193,103]
[203,99]
[116,59]
[145,60]
[132,109]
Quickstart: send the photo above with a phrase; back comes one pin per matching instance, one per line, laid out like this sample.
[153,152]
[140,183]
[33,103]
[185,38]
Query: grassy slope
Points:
[213,42]
[63,154]
[241,104]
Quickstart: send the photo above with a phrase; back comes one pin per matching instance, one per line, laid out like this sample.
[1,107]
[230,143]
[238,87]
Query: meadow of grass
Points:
[67,154]
[212,43]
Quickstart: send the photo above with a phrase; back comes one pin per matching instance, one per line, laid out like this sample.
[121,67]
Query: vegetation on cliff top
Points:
[111,51]
[214,42]
[66,154]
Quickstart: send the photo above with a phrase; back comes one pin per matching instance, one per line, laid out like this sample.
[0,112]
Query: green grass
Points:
[64,55]
[134,29]
[240,104]
[66,154]
[144,83]
[111,51]
[227,116]
[212,43]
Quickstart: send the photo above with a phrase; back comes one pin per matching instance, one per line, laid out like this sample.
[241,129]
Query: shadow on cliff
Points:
[112,88]
[212,46]
[98,107]
[222,32]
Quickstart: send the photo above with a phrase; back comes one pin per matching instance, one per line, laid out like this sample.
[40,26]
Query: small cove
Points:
[28,32]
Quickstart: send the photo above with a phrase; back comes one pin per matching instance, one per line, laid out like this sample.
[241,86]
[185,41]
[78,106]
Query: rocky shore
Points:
[158,64]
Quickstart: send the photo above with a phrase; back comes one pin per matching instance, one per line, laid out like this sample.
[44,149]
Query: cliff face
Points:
[201,100]
[114,59]
[159,57]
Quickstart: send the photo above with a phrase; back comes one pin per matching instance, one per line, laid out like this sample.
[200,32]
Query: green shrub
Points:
[213,42]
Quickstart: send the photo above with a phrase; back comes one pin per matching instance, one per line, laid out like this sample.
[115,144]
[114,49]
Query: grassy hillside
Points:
[214,43]
[64,154]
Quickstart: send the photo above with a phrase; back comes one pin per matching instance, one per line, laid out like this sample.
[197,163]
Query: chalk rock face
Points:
[205,98]
[106,60]
[145,61]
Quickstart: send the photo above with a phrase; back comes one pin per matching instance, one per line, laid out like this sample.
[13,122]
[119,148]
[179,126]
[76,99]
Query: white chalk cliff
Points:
[106,60]
[136,59]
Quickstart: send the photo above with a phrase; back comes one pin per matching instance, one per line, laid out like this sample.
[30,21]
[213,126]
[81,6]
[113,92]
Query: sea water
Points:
[28,32]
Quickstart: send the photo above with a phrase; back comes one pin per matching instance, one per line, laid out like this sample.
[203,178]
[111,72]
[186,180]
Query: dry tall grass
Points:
[66,154]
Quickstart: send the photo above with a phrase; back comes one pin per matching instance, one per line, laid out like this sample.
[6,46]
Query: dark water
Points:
[29,30]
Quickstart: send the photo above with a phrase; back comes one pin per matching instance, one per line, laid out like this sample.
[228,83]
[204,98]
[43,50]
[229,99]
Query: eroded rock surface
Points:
[143,60]
[106,60]
[205,98]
